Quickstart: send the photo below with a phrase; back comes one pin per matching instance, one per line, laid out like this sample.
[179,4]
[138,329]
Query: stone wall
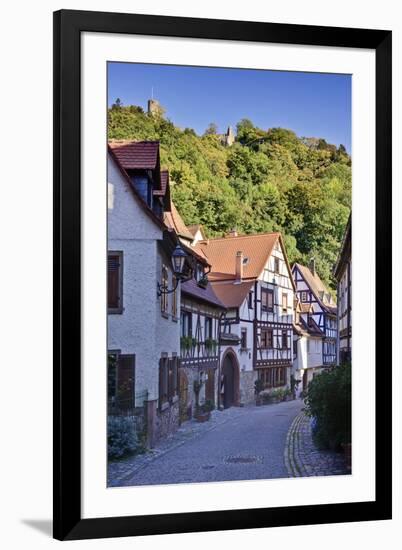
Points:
[247,379]
[192,374]
[167,421]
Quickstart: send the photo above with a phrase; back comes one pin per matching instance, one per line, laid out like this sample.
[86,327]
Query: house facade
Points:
[343,275]
[307,346]
[251,276]
[201,312]
[143,324]
[311,290]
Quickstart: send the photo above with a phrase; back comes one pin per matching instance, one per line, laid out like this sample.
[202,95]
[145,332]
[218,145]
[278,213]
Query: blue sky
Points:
[310,104]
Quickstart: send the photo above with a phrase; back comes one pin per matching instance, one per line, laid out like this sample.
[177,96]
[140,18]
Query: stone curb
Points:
[301,457]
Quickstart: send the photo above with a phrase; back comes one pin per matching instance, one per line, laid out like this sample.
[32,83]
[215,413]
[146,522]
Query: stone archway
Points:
[230,380]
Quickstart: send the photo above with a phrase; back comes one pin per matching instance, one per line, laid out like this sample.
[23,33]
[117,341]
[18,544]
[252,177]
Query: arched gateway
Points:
[230,389]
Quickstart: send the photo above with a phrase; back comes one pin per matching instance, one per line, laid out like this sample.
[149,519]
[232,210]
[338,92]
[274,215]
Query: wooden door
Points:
[228,382]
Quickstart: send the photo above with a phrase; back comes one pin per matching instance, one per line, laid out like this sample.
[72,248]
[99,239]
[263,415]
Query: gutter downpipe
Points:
[221,318]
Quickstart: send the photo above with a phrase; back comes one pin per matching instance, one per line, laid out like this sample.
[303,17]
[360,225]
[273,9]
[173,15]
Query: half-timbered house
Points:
[343,274]
[200,315]
[318,309]
[201,312]
[251,276]
[307,346]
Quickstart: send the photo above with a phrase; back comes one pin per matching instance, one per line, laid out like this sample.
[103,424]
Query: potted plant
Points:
[211,345]
[202,415]
[186,343]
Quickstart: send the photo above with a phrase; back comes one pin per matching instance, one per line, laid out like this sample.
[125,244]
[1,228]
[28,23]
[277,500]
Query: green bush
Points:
[258,386]
[208,406]
[122,437]
[328,402]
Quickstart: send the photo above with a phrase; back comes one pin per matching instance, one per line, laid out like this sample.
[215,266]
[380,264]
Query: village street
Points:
[236,444]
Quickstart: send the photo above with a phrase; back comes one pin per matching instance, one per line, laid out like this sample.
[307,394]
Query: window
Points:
[174,298]
[284,302]
[115,282]
[284,339]
[265,375]
[276,265]
[250,300]
[185,321]
[164,285]
[267,338]
[199,273]
[121,380]
[243,340]
[168,379]
[295,348]
[143,187]
[208,327]
[273,376]
[304,296]
[280,376]
[267,299]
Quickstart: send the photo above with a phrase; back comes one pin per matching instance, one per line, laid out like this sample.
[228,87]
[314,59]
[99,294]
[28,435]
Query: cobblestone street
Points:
[236,444]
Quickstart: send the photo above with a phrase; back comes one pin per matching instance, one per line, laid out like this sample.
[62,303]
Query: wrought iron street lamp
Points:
[178,260]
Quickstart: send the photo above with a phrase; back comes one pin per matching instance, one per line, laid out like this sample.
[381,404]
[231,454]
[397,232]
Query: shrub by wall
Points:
[122,436]
[328,402]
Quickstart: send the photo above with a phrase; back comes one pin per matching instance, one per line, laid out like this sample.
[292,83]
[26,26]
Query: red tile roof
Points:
[173,220]
[164,183]
[303,329]
[232,294]
[221,254]
[136,155]
[134,192]
[318,288]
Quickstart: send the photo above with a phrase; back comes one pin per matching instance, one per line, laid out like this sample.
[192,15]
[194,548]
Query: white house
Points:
[322,310]
[251,276]
[343,274]
[307,346]
[143,324]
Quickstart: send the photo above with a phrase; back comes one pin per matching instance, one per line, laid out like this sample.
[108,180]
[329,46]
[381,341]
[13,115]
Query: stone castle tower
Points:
[229,138]
[155,108]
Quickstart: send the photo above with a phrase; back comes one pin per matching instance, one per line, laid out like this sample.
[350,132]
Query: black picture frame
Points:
[68,26]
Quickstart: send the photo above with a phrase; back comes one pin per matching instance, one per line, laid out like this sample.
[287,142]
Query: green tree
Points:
[267,181]
[212,129]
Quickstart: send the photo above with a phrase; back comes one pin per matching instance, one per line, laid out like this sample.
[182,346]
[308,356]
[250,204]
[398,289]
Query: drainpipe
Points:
[220,319]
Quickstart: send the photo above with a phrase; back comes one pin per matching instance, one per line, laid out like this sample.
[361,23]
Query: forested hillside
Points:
[269,180]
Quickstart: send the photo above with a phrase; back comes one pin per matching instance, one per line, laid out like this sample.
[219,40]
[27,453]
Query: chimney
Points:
[239,266]
[232,232]
[312,266]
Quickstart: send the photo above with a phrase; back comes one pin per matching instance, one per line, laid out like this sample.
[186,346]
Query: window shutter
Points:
[160,382]
[113,281]
[126,381]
